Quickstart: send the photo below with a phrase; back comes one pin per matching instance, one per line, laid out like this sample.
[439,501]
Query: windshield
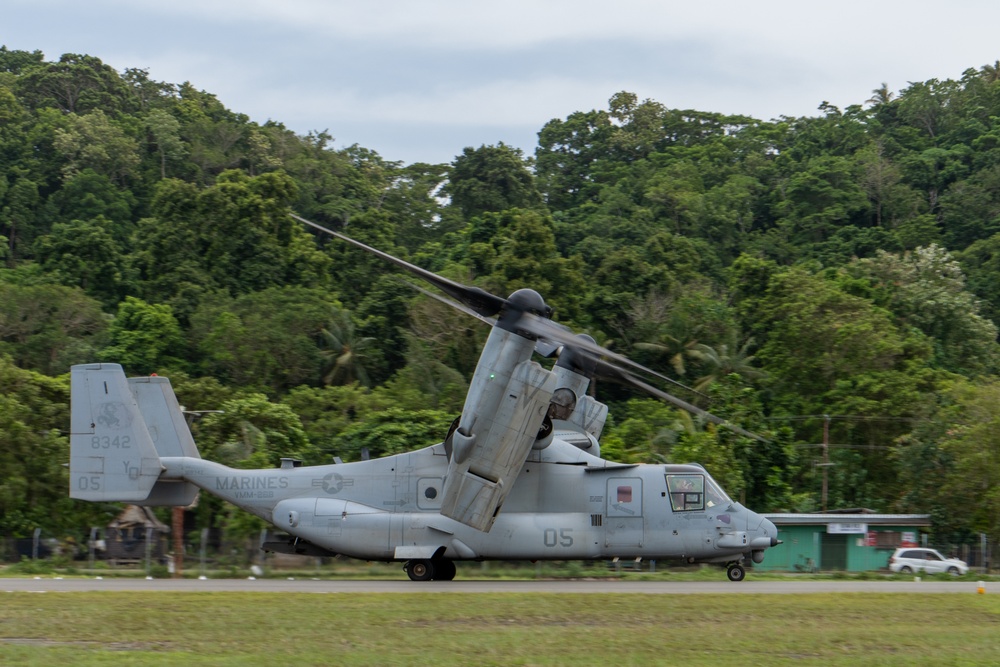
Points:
[716,496]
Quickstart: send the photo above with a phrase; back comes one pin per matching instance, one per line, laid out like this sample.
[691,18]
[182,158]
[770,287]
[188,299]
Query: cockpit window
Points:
[693,492]
[687,492]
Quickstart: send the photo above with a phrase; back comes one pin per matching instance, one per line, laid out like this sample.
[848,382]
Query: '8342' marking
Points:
[108,442]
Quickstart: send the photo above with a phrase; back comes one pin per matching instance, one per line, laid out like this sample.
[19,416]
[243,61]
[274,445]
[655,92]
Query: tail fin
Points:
[112,456]
[162,414]
[170,435]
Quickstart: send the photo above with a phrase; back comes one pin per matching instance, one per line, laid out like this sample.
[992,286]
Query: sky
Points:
[420,80]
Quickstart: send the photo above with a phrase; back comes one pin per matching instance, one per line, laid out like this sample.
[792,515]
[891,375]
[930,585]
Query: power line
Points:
[847,418]
[820,444]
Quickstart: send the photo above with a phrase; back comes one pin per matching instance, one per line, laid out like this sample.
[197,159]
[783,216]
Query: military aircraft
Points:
[519,475]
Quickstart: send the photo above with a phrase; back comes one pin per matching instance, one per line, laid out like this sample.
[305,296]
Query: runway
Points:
[761,587]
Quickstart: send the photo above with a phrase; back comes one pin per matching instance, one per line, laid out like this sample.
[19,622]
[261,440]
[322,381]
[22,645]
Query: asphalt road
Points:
[762,587]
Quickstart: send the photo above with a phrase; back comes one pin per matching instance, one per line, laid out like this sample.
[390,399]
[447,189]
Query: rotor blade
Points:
[454,304]
[558,333]
[481,301]
[684,405]
[542,347]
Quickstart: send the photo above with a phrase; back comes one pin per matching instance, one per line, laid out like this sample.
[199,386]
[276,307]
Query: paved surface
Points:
[763,587]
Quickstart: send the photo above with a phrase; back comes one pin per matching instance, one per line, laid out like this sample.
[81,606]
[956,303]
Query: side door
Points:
[624,527]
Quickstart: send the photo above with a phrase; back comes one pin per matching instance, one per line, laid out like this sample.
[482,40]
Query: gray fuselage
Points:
[565,504]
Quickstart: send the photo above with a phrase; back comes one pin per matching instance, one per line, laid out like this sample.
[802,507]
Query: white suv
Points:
[908,560]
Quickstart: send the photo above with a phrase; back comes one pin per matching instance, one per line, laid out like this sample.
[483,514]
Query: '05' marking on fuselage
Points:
[557,538]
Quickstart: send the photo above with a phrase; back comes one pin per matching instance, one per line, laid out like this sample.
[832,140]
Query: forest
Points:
[829,282]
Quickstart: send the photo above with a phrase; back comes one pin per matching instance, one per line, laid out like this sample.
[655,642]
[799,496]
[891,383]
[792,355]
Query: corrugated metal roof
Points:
[824,519]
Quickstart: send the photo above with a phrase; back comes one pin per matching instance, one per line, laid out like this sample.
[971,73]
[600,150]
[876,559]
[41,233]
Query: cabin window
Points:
[624,494]
[687,492]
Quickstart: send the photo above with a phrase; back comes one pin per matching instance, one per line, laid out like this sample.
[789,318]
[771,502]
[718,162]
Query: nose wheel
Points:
[736,572]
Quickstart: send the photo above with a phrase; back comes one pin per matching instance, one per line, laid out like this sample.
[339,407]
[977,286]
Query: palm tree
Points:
[991,72]
[726,359]
[345,352]
[674,348]
[677,340]
[881,95]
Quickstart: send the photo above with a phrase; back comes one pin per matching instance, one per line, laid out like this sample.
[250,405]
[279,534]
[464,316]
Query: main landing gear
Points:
[427,569]
[735,571]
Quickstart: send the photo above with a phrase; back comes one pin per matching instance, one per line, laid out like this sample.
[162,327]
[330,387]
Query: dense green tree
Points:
[729,358]
[383,318]
[165,130]
[344,351]
[326,411]
[16,61]
[145,92]
[926,289]
[19,201]
[89,195]
[270,339]
[981,264]
[48,328]
[249,431]
[831,352]
[392,431]
[821,197]
[951,464]
[970,209]
[74,84]
[85,254]
[819,334]
[425,382]
[34,411]
[567,152]
[525,256]
[145,338]
[491,179]
[414,200]
[645,431]
[96,142]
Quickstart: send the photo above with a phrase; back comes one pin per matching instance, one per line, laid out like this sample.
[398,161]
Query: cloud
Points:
[434,66]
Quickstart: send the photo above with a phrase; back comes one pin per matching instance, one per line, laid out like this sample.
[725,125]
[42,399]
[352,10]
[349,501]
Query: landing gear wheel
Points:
[419,570]
[444,570]
[735,572]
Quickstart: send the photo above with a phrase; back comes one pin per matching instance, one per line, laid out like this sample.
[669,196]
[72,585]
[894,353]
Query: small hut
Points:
[128,533]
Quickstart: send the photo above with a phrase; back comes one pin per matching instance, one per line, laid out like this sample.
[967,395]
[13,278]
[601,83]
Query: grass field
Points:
[497,629]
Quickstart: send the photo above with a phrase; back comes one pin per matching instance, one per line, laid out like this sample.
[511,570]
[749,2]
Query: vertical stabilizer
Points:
[112,456]
[170,435]
[163,417]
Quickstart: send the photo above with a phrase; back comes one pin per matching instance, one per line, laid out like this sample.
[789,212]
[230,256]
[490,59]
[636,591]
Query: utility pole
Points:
[178,526]
[826,455]
[177,516]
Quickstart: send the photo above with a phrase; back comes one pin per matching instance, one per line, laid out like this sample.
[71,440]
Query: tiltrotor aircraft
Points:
[519,475]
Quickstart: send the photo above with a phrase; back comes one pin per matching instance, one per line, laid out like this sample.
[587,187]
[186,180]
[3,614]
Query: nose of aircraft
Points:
[765,535]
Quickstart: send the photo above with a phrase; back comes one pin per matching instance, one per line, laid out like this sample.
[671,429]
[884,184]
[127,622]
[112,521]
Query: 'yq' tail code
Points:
[119,430]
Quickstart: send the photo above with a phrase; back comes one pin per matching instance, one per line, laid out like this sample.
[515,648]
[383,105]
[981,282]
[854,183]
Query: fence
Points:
[209,549]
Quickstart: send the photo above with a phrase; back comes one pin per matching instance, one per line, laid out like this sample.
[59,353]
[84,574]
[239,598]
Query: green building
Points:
[855,541]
